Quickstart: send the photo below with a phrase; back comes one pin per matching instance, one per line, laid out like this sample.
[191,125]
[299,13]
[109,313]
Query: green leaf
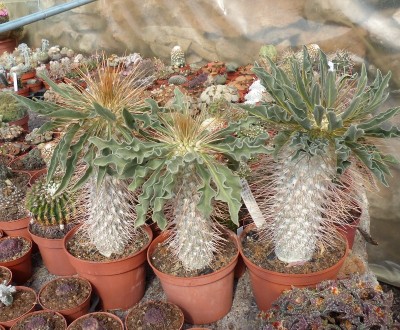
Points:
[379,97]
[66,143]
[40,107]
[330,89]
[353,133]
[141,172]
[120,163]
[379,119]
[68,114]
[228,187]
[319,113]
[83,179]
[383,133]
[104,112]
[334,122]
[163,191]
[280,140]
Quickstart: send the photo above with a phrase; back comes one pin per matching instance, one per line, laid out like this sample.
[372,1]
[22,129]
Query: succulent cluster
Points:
[35,137]
[6,294]
[346,304]
[10,132]
[10,108]
[38,323]
[33,160]
[47,208]
[10,247]
[91,323]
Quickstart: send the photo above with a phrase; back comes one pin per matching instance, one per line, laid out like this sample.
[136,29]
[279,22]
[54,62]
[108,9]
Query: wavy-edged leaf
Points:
[379,96]
[120,163]
[206,192]
[319,113]
[141,172]
[68,114]
[379,119]
[43,108]
[353,133]
[383,133]
[334,121]
[330,89]
[228,187]
[66,143]
[104,112]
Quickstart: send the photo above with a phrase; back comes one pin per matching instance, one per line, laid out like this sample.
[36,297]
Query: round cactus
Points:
[177,57]
[47,208]
[177,80]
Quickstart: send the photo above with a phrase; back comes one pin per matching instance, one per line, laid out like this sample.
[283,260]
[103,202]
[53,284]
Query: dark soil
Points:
[27,163]
[154,315]
[22,303]
[4,275]
[64,293]
[52,321]
[105,321]
[26,245]
[50,232]
[80,247]
[165,261]
[262,254]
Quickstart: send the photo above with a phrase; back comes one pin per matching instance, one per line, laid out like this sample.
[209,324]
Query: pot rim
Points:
[97,313]
[82,279]
[326,270]
[23,317]
[8,270]
[21,257]
[22,288]
[78,227]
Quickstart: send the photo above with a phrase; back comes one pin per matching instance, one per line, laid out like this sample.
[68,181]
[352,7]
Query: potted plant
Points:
[69,296]
[109,224]
[15,254]
[182,166]
[43,319]
[14,217]
[97,320]
[324,151]
[15,302]
[154,315]
[31,163]
[8,39]
[9,132]
[12,112]
[52,217]
[344,304]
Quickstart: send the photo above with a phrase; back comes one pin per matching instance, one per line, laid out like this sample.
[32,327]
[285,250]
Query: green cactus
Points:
[324,117]
[47,208]
[33,160]
[10,108]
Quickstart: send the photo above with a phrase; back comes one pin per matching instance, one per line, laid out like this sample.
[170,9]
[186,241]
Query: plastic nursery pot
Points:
[71,313]
[267,285]
[136,317]
[57,322]
[120,284]
[203,299]
[23,122]
[21,267]
[54,255]
[5,275]
[18,227]
[105,318]
[22,294]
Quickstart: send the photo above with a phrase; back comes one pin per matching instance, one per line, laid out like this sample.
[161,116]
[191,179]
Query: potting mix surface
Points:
[17,250]
[22,302]
[46,320]
[262,254]
[4,275]
[101,321]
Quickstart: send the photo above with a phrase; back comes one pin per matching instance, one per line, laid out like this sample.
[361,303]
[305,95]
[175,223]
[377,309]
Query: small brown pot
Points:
[267,285]
[203,299]
[35,87]
[62,323]
[54,256]
[30,172]
[120,284]
[28,75]
[18,227]
[96,314]
[36,176]
[24,91]
[73,313]
[8,271]
[23,122]
[7,45]
[21,267]
[10,323]
[138,312]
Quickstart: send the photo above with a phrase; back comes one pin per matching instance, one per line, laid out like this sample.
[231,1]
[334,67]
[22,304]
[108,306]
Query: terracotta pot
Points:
[23,122]
[18,227]
[28,75]
[21,267]
[10,323]
[7,270]
[240,268]
[35,87]
[60,317]
[12,164]
[54,256]
[7,45]
[2,328]
[24,91]
[349,230]
[36,176]
[203,299]
[109,315]
[140,309]
[267,285]
[73,313]
[120,284]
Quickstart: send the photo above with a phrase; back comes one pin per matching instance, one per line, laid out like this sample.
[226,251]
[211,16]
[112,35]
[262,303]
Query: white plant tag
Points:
[251,204]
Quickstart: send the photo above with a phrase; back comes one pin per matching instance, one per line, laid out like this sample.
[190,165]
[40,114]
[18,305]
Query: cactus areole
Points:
[325,118]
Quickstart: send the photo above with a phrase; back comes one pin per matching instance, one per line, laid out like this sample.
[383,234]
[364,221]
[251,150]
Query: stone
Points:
[87,23]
